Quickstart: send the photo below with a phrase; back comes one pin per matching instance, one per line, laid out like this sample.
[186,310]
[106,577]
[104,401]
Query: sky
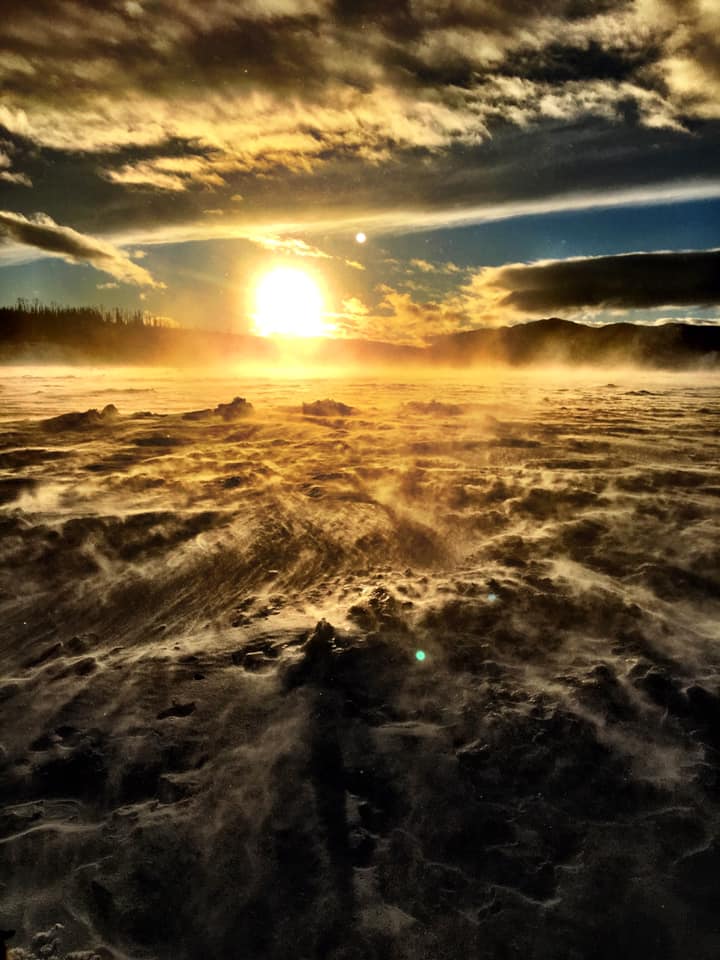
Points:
[506,161]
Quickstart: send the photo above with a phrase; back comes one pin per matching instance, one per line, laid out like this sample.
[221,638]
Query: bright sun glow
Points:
[289,303]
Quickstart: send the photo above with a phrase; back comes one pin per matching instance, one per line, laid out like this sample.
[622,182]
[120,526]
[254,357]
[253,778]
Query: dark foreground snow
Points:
[216,738]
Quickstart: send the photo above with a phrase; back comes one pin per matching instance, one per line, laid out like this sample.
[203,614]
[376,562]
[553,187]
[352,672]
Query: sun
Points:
[289,303]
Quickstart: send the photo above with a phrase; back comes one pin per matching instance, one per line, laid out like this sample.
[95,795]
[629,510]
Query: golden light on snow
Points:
[289,303]
[360,237]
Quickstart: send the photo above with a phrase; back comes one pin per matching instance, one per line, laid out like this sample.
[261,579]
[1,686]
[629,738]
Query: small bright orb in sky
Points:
[420,655]
[360,237]
[289,303]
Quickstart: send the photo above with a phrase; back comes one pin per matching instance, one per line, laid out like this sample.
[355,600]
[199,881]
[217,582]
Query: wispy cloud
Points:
[172,173]
[294,246]
[291,245]
[406,219]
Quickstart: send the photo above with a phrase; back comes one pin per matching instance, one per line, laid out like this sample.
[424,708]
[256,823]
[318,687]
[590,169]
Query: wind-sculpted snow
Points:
[219,736]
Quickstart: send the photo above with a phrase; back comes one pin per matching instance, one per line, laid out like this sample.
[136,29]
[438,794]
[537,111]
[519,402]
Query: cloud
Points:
[291,245]
[321,76]
[621,282]
[399,319]
[407,220]
[355,307]
[41,232]
[145,175]
[172,173]
[294,246]
[688,321]
[403,217]
[319,109]
[425,266]
[689,55]
[516,292]
[8,175]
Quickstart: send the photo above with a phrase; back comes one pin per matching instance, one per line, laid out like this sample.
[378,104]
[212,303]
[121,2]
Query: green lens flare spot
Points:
[420,655]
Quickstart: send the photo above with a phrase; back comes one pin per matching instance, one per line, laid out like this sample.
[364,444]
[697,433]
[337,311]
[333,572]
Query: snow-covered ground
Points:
[217,738]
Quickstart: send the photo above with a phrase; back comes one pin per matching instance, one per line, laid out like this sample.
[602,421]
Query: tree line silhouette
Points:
[33,316]
[32,330]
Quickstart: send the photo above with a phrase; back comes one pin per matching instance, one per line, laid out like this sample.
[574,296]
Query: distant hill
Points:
[670,346]
[90,335]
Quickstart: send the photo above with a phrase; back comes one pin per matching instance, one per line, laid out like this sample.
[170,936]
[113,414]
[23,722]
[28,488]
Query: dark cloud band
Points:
[44,234]
[638,280]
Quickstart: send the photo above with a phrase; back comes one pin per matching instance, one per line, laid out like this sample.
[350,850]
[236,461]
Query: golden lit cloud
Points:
[274,119]
[399,319]
[355,307]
